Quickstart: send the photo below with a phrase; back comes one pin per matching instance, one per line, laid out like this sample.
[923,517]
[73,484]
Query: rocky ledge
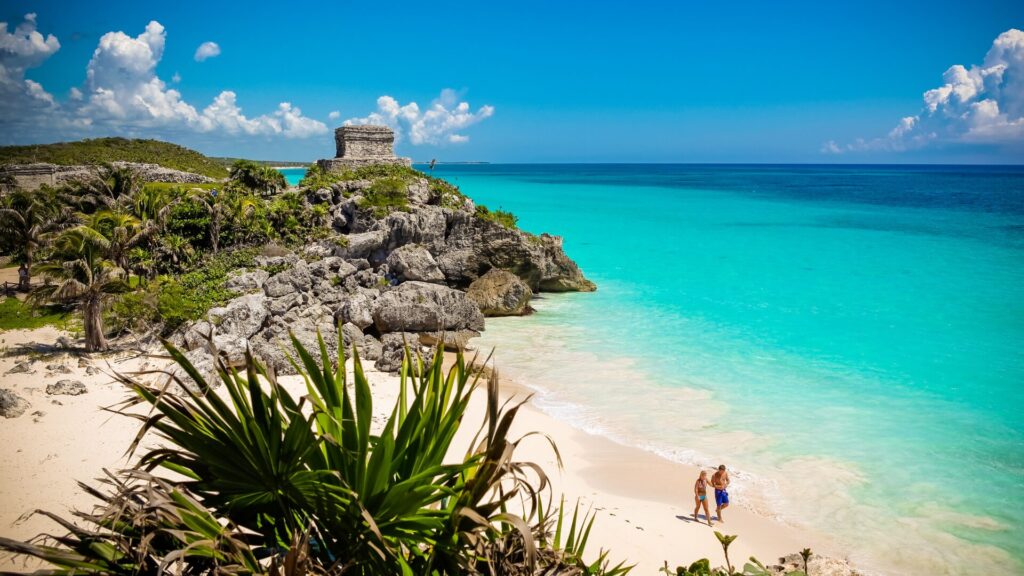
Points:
[410,276]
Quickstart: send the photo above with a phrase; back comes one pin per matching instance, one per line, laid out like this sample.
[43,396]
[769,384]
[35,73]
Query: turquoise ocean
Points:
[848,339]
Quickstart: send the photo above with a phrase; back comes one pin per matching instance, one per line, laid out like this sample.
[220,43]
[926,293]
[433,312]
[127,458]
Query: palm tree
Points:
[152,206]
[25,219]
[256,178]
[224,208]
[83,275]
[106,187]
[123,231]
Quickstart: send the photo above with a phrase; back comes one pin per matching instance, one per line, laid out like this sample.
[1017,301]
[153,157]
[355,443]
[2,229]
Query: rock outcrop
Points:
[385,279]
[12,405]
[500,293]
[32,176]
[66,388]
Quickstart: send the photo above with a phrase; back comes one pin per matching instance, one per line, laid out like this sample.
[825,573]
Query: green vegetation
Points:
[257,178]
[169,301]
[85,275]
[106,150]
[135,256]
[753,567]
[18,315]
[386,194]
[309,484]
[317,178]
[227,162]
[506,219]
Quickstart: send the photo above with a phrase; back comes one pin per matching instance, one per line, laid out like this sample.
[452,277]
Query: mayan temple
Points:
[361,146]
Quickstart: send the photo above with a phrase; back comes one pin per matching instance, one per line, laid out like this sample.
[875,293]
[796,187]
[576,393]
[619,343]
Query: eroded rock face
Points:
[12,405]
[243,316]
[247,281]
[500,293]
[414,262]
[381,277]
[423,307]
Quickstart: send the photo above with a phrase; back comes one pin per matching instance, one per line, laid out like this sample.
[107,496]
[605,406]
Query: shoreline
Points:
[60,440]
[657,502]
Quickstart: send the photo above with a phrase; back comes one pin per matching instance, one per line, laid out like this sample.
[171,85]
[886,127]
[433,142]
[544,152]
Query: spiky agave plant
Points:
[272,471]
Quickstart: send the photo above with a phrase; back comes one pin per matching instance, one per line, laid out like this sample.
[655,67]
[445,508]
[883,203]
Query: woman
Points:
[700,496]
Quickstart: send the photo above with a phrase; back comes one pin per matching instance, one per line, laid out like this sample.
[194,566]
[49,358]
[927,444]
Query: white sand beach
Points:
[643,502]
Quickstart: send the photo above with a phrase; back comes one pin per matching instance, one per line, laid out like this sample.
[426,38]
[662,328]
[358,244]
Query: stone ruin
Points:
[362,146]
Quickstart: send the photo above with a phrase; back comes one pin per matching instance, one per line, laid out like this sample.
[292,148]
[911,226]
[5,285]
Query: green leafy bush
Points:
[386,194]
[506,219]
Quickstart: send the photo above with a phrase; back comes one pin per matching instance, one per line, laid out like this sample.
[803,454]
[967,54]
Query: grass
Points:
[178,186]
[18,315]
[101,150]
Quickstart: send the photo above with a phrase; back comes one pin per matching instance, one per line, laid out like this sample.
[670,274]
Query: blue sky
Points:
[542,81]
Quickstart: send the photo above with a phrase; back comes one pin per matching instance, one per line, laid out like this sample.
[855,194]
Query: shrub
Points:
[506,219]
[386,194]
[265,474]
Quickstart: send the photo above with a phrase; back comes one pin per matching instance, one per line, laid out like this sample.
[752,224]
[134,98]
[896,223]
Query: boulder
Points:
[58,368]
[352,336]
[450,340]
[12,405]
[474,245]
[393,348]
[66,388]
[246,281]
[370,349]
[274,345]
[414,262]
[243,316]
[203,362]
[294,279]
[280,306]
[500,293]
[423,307]
[419,192]
[817,565]
[426,226]
[359,309]
[22,368]
[368,245]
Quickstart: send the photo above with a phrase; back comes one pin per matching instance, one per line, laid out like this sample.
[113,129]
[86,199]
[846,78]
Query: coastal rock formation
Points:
[66,388]
[817,565]
[423,307]
[386,275]
[414,262]
[500,293]
[12,405]
[33,176]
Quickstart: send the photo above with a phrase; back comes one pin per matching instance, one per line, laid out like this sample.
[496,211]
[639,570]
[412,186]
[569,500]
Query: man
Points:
[720,481]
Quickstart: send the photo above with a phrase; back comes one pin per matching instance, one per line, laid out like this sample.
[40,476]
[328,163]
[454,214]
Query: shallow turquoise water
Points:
[847,338]
[292,175]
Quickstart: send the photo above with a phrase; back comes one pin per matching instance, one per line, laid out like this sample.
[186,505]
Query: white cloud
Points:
[977,105]
[176,78]
[22,49]
[207,50]
[439,123]
[122,92]
[334,115]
